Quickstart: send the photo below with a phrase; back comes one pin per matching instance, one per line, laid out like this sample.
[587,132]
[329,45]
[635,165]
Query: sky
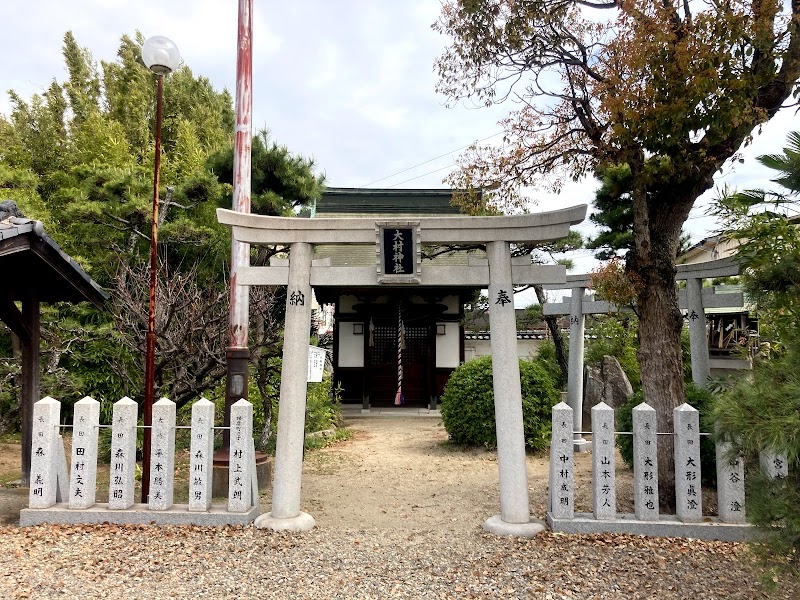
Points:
[350,83]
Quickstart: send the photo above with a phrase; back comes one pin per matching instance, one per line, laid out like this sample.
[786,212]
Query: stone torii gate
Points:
[695,299]
[399,264]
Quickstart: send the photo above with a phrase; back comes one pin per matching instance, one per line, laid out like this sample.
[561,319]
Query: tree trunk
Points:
[555,331]
[660,323]
[657,227]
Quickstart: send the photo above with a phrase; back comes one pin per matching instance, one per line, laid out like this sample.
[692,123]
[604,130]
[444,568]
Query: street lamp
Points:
[161,56]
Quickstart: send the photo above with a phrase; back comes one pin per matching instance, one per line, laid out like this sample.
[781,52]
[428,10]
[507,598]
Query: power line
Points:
[423,175]
[430,161]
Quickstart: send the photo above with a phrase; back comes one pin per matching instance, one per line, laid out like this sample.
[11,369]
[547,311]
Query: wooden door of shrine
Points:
[383,364]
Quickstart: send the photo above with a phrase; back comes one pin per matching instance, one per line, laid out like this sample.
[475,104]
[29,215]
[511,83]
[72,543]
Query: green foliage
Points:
[703,400]
[763,413]
[323,412]
[80,158]
[530,318]
[617,337]
[467,404]
[281,182]
[323,406]
[322,441]
[546,357]
[10,371]
[614,213]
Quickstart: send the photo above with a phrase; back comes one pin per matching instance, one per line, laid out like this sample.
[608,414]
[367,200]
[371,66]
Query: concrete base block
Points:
[138,514]
[667,526]
[302,522]
[219,483]
[497,526]
[581,445]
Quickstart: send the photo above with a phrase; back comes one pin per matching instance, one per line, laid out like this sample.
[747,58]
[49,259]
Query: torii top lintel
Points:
[529,228]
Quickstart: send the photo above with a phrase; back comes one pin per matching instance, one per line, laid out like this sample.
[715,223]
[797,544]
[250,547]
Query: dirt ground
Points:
[402,474]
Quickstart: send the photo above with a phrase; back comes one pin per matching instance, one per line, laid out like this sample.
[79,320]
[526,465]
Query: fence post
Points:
[604,486]
[241,463]
[730,484]
[775,465]
[85,435]
[44,457]
[645,463]
[562,463]
[162,455]
[201,451]
[688,497]
[122,479]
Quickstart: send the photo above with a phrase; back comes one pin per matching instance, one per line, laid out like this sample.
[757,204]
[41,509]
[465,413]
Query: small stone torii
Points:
[499,272]
[695,299]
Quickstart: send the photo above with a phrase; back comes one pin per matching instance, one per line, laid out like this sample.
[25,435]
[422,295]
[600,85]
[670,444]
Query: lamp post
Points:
[161,56]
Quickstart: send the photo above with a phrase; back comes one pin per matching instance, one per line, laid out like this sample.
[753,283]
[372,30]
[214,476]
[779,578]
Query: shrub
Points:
[703,401]
[547,358]
[763,413]
[323,408]
[467,404]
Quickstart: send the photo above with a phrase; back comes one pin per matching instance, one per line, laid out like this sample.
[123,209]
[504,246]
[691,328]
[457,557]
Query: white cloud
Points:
[349,82]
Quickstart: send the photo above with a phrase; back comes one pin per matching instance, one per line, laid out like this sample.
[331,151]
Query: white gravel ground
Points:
[399,516]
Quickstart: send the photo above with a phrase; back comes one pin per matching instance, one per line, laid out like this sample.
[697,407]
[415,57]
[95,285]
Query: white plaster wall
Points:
[447,346]
[351,347]
[476,348]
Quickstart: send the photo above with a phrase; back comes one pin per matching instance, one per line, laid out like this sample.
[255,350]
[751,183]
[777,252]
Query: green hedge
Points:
[467,404]
[702,400]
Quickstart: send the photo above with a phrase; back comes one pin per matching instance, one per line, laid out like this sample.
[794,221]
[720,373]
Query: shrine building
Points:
[375,325]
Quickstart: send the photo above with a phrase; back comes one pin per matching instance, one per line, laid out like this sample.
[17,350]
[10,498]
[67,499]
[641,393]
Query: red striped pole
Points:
[237,353]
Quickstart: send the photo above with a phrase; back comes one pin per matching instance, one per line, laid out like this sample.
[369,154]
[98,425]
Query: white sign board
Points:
[316,363]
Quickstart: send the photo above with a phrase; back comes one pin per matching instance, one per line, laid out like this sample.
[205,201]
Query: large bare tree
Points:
[671,88]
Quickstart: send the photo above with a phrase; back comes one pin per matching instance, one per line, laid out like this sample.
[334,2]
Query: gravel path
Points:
[398,516]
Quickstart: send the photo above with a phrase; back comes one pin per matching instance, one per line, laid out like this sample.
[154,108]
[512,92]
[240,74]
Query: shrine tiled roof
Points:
[384,202]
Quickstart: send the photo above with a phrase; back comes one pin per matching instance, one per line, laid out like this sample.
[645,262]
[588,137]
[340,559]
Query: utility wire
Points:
[423,175]
[430,161]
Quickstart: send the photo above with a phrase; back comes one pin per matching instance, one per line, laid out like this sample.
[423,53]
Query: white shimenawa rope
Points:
[401,344]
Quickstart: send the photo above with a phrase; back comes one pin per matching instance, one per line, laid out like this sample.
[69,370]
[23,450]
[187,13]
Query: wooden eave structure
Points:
[36,270]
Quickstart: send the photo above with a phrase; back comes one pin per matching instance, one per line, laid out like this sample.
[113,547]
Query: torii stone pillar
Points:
[698,337]
[514,509]
[696,300]
[579,307]
[499,274]
[577,324]
[286,513]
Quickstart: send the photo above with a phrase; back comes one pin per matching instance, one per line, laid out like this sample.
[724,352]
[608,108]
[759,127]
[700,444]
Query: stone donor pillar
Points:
[286,514]
[514,517]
